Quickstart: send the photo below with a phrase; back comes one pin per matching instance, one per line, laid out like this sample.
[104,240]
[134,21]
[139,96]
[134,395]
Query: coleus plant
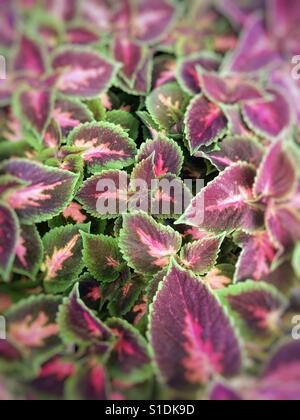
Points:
[112,284]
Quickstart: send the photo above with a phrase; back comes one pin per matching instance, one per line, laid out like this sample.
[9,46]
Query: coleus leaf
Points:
[102,257]
[296,260]
[192,338]
[130,359]
[257,257]
[270,117]
[84,73]
[149,22]
[164,70]
[53,375]
[90,383]
[29,58]
[105,196]
[257,308]
[89,291]
[63,257]
[78,324]
[53,136]
[125,120]
[277,176]
[201,256]
[170,197]
[9,234]
[188,75]
[205,123]
[167,104]
[103,146]
[255,51]
[283,224]
[168,157]
[146,245]
[81,35]
[70,113]
[140,85]
[228,90]
[130,54]
[221,392]
[236,149]
[47,192]
[32,327]
[226,203]
[97,12]
[62,10]
[239,11]
[29,252]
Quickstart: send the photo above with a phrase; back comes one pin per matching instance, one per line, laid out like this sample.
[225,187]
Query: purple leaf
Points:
[63,257]
[188,70]
[277,176]
[146,245]
[53,136]
[103,145]
[239,11]
[270,117]
[69,114]
[228,90]
[205,123]
[29,58]
[222,392]
[49,190]
[192,338]
[9,233]
[226,203]
[201,256]
[97,12]
[130,360]
[257,256]
[84,73]
[168,156]
[255,51]
[102,257]
[236,149]
[130,54]
[105,196]
[150,21]
[78,324]
[63,10]
[29,252]
[81,35]
[257,309]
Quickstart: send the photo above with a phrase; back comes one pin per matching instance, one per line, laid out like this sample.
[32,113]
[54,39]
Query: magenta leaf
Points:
[226,203]
[140,84]
[150,21]
[236,149]
[105,196]
[81,35]
[130,360]
[69,114]
[32,327]
[255,51]
[9,234]
[63,257]
[168,156]
[201,256]
[221,392]
[205,123]
[84,73]
[29,252]
[102,257]
[128,53]
[29,58]
[48,191]
[53,136]
[188,70]
[103,146]
[192,338]
[79,325]
[146,245]
[277,176]
[270,117]
[90,382]
[53,375]
[239,11]
[167,105]
[257,309]
[257,257]
[98,13]
[283,223]
[228,90]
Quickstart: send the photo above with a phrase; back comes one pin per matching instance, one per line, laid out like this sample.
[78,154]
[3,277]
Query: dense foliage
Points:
[132,303]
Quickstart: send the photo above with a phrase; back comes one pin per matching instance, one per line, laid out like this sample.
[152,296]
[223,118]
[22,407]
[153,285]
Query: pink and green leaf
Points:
[29,58]
[192,338]
[146,245]
[9,235]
